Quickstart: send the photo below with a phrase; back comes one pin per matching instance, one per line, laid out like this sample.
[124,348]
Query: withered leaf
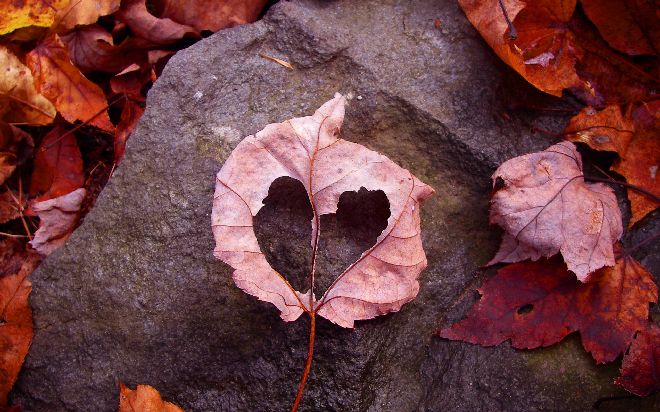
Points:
[17,14]
[640,370]
[129,118]
[58,216]
[19,100]
[10,205]
[210,14]
[143,399]
[58,165]
[309,150]
[149,27]
[15,148]
[84,12]
[16,329]
[546,207]
[536,304]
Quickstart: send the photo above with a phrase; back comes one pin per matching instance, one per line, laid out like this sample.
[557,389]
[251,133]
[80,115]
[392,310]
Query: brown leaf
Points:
[74,96]
[640,370]
[16,328]
[132,81]
[17,14]
[92,49]
[58,217]
[309,150]
[210,14]
[616,21]
[544,52]
[147,26]
[634,137]
[143,399]
[129,118]
[12,256]
[19,100]
[83,12]
[545,207]
[537,304]
[15,148]
[58,165]
[10,208]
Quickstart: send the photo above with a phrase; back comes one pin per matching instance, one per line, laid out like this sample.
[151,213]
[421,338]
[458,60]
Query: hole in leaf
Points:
[499,184]
[284,231]
[361,217]
[525,309]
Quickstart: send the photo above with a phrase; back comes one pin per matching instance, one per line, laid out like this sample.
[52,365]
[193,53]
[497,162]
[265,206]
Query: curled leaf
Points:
[546,207]
[309,150]
[58,216]
[210,14]
[537,304]
[84,12]
[149,27]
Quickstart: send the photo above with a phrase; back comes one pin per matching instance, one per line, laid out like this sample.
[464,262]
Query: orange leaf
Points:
[536,304]
[58,165]
[19,100]
[210,14]
[309,150]
[83,12]
[16,328]
[15,148]
[143,399]
[640,369]
[74,96]
[546,207]
[17,14]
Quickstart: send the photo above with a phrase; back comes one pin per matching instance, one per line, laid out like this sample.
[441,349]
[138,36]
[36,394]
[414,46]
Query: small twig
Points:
[513,33]
[10,235]
[308,364]
[276,60]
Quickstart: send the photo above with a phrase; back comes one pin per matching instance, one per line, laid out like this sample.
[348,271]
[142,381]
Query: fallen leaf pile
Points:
[75,75]
[606,55]
[310,150]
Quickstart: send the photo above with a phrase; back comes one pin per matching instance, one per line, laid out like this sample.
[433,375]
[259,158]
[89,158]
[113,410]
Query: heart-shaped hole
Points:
[283,230]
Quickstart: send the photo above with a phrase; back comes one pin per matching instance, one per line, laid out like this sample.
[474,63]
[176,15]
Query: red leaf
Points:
[58,165]
[149,27]
[640,370]
[210,14]
[129,118]
[536,304]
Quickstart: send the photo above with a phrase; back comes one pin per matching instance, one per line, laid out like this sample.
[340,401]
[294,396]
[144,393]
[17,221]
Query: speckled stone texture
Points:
[136,296]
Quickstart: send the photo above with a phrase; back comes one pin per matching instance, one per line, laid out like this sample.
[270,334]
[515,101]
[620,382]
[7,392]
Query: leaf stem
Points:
[308,364]
[641,190]
[513,33]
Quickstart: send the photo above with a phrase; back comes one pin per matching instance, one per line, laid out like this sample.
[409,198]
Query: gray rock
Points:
[136,296]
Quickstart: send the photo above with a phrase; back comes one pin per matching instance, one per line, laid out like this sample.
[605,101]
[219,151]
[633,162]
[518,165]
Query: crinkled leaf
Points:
[58,216]
[546,207]
[145,25]
[19,100]
[210,14]
[58,165]
[536,304]
[83,12]
[309,150]
[16,328]
[24,13]
[74,96]
[640,370]
[143,399]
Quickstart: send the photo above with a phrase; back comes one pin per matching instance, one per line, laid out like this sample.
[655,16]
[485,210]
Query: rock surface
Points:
[136,296]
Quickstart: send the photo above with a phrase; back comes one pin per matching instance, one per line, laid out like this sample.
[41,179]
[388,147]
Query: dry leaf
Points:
[16,328]
[74,96]
[58,216]
[147,26]
[83,12]
[309,150]
[545,207]
[9,206]
[19,100]
[132,80]
[24,13]
[536,304]
[210,15]
[129,118]
[143,399]
[607,129]
[640,369]
[58,165]
[15,148]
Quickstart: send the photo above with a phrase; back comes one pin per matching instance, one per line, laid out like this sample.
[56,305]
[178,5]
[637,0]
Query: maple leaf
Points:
[19,100]
[143,399]
[15,147]
[640,369]
[18,14]
[210,14]
[634,137]
[536,304]
[16,328]
[129,118]
[58,165]
[83,12]
[308,149]
[546,207]
[618,21]
[145,25]
[58,216]
[74,96]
